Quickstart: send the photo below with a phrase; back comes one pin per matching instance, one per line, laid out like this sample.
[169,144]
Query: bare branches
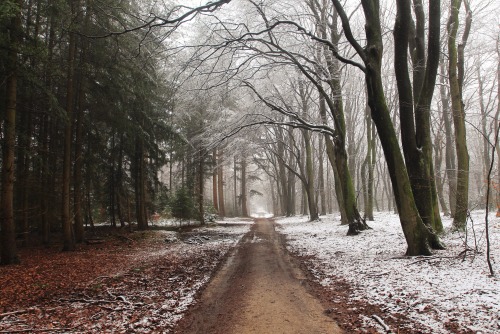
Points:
[347,30]
[298,122]
[154,21]
[271,27]
[326,42]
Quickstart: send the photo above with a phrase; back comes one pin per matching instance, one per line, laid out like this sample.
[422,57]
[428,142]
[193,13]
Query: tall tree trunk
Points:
[356,222]
[89,219]
[23,168]
[119,182]
[438,159]
[45,178]
[283,185]
[215,192]
[309,168]
[273,197]
[329,196]
[337,144]
[484,128]
[244,204]
[140,184]
[8,250]
[321,178]
[48,138]
[455,71]
[235,198]
[414,102]
[67,221]
[310,188]
[330,153]
[337,155]
[201,187]
[497,118]
[26,166]
[78,174]
[369,165]
[449,144]
[220,180]
[290,182]
[304,209]
[112,182]
[79,120]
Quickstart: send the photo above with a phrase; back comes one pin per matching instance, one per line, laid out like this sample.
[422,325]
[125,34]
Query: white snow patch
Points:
[430,290]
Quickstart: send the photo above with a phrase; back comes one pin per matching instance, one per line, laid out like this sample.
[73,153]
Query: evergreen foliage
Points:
[182,205]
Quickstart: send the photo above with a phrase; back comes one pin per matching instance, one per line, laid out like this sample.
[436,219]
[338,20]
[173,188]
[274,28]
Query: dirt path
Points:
[258,290]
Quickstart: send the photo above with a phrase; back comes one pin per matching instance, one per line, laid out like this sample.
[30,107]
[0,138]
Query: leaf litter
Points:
[142,282]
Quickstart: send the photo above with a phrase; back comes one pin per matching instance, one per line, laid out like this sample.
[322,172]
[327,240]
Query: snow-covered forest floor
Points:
[449,292]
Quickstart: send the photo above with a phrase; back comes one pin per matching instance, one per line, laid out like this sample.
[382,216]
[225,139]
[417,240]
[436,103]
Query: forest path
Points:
[258,290]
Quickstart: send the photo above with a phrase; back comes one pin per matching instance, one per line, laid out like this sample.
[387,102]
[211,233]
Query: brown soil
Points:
[259,290]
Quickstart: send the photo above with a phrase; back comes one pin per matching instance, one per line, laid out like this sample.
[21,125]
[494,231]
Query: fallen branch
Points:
[429,258]
[40,330]
[382,323]
[122,298]
[31,309]
[88,301]
[17,312]
[378,274]
[102,301]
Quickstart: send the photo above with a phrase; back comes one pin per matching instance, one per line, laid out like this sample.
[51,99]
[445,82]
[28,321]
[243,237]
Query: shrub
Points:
[181,205]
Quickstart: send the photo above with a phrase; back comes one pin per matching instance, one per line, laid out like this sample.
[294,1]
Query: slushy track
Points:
[258,290]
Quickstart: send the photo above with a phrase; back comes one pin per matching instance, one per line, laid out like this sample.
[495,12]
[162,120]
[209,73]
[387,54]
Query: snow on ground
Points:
[443,288]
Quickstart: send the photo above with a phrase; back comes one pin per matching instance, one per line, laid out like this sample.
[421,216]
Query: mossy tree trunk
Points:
[418,236]
[455,72]
[415,99]
[336,144]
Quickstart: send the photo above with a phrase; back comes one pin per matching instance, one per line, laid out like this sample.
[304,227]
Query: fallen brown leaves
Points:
[141,285]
